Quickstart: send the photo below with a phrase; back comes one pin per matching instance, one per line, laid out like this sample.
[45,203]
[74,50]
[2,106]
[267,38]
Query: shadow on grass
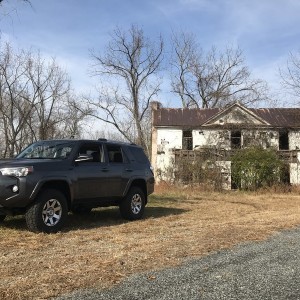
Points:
[163,199]
[100,217]
[104,217]
[160,211]
[16,223]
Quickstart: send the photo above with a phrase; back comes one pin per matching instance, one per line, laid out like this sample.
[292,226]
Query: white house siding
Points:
[211,138]
[264,138]
[221,138]
[294,140]
[226,174]
[295,173]
[167,139]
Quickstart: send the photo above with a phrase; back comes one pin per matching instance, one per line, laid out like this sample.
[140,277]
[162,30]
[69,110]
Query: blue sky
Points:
[266,30]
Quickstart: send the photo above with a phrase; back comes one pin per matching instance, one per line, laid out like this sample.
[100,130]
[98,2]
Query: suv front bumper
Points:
[13,192]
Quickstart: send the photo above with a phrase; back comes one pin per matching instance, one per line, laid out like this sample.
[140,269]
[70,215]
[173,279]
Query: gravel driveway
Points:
[254,270]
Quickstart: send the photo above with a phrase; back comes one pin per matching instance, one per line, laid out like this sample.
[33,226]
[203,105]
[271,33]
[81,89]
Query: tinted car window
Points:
[139,155]
[92,150]
[48,149]
[115,154]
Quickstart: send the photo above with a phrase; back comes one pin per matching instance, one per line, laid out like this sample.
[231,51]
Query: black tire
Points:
[133,205]
[2,217]
[49,212]
[81,210]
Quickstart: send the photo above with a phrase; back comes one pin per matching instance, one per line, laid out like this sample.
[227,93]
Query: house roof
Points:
[280,117]
[184,117]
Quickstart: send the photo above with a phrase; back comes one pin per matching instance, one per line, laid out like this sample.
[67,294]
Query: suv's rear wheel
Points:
[133,205]
[48,213]
[2,217]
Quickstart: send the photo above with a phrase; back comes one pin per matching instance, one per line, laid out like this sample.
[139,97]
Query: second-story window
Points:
[236,137]
[187,140]
[283,140]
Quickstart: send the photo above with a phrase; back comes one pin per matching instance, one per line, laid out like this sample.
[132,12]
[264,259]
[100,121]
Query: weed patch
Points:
[101,249]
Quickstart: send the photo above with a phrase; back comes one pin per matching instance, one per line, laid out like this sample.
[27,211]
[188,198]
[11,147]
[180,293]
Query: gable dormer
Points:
[236,114]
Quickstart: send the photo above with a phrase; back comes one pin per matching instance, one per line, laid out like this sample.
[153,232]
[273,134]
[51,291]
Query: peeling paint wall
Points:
[295,173]
[226,174]
[294,140]
[167,139]
[264,138]
[211,138]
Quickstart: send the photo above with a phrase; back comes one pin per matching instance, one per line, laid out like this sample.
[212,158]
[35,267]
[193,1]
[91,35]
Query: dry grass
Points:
[101,249]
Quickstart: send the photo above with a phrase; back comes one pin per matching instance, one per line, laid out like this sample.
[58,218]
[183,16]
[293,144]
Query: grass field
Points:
[101,249]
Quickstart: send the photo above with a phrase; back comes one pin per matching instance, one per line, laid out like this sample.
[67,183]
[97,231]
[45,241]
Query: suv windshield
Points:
[48,149]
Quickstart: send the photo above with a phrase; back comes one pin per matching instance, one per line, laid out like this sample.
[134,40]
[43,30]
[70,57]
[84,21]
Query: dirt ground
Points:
[101,249]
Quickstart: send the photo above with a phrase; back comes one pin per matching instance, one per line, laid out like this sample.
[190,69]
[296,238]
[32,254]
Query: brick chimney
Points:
[156,105]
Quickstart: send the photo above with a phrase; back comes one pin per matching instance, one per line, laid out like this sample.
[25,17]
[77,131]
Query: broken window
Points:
[187,140]
[236,139]
[283,140]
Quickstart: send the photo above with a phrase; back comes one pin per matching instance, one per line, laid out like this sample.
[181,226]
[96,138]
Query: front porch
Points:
[289,156]
[192,165]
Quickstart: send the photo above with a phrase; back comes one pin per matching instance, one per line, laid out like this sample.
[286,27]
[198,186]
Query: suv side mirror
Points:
[84,157]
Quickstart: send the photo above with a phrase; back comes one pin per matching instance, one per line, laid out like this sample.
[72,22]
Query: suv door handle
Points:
[128,170]
[104,170]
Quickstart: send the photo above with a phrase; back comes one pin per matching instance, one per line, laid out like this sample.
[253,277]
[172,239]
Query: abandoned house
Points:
[182,132]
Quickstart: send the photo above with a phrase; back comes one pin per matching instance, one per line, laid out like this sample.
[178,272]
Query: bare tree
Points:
[131,64]
[49,87]
[14,110]
[35,101]
[290,75]
[212,79]
[74,119]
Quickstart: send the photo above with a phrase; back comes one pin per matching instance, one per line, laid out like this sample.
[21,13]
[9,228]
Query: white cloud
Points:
[265,29]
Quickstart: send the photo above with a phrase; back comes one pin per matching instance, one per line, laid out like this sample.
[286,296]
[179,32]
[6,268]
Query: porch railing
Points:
[291,156]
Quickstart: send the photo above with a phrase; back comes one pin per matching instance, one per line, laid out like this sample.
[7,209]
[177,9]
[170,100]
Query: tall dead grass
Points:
[101,249]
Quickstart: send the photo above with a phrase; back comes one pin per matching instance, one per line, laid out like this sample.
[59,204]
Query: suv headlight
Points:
[17,172]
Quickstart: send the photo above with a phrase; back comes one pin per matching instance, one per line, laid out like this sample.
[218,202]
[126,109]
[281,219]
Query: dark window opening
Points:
[236,140]
[283,140]
[187,140]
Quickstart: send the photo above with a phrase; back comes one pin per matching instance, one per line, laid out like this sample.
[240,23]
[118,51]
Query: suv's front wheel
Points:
[48,213]
[133,205]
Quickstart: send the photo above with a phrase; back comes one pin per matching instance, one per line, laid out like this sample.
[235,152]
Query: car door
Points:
[90,169]
[118,172]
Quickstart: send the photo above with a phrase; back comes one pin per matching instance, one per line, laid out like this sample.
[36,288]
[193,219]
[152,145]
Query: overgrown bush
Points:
[198,171]
[254,168]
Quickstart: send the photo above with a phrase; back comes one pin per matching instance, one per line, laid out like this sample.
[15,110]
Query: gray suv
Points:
[50,178]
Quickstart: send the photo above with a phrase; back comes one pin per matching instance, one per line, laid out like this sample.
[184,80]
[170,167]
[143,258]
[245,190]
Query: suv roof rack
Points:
[102,139]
